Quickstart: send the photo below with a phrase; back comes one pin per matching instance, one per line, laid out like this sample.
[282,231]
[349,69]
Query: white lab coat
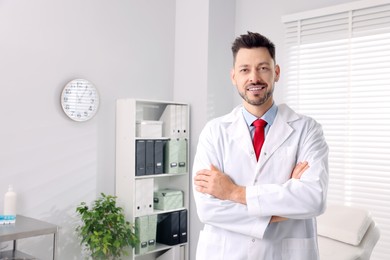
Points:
[234,231]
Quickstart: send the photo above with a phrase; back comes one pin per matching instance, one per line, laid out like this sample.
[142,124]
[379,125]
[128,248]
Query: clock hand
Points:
[82,95]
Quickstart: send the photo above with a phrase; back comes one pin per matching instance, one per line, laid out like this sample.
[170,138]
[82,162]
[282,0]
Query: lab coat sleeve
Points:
[297,199]
[224,214]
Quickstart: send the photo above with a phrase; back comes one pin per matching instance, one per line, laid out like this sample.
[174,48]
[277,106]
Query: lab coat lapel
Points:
[278,133]
[238,131]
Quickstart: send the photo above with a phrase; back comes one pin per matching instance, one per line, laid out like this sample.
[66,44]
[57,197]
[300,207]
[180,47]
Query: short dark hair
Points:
[252,40]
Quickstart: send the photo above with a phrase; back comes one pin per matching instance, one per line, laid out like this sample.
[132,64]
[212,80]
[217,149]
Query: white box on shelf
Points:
[149,128]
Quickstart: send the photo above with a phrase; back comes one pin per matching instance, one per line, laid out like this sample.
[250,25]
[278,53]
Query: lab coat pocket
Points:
[299,249]
[210,246]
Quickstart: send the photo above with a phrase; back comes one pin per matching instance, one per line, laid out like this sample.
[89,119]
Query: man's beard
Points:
[257,102]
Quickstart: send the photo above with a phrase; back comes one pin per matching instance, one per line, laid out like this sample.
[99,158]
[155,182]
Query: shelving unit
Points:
[129,112]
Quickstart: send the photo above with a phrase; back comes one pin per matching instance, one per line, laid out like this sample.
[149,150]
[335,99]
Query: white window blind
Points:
[338,71]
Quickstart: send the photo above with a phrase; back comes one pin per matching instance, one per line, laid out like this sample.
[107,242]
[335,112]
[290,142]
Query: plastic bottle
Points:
[10,205]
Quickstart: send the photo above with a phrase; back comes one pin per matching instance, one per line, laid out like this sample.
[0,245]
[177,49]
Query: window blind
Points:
[338,71]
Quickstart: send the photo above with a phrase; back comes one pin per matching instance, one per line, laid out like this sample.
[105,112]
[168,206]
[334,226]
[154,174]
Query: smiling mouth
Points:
[256,87]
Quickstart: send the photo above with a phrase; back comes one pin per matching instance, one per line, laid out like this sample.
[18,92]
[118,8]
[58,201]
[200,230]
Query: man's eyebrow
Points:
[258,65]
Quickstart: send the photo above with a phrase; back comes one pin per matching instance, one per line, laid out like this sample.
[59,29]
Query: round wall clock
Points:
[80,100]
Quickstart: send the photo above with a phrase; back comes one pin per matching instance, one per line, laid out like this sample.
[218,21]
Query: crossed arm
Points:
[221,186]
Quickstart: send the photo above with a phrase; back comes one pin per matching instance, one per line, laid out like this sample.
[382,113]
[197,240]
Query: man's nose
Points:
[254,76]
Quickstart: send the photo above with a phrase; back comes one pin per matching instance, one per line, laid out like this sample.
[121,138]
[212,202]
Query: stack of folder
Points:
[146,231]
[176,156]
[168,228]
[175,121]
[149,157]
[161,156]
[172,228]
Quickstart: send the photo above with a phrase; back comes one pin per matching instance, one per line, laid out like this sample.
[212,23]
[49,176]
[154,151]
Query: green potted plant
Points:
[104,231]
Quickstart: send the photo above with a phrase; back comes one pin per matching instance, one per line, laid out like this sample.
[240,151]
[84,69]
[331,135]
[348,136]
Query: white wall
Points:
[204,31]
[125,47]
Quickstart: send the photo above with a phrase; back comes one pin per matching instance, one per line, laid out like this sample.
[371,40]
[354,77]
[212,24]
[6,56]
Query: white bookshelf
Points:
[128,113]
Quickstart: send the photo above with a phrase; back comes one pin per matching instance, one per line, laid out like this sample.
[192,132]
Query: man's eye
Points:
[264,69]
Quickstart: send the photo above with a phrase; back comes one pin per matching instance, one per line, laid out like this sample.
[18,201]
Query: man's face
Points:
[254,74]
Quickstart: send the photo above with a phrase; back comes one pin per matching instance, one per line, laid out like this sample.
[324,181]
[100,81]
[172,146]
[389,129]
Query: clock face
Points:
[80,100]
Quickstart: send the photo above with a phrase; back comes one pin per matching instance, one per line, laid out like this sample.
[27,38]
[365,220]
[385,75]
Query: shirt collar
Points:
[269,116]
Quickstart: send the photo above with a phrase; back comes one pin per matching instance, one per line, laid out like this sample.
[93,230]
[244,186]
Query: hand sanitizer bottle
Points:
[10,206]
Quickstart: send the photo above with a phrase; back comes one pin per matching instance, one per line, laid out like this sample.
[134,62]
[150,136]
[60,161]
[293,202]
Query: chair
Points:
[346,233]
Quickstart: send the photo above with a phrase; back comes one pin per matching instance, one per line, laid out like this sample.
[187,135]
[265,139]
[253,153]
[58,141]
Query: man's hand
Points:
[219,185]
[275,219]
[299,169]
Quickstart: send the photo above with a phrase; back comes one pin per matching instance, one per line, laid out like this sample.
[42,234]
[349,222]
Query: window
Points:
[338,71]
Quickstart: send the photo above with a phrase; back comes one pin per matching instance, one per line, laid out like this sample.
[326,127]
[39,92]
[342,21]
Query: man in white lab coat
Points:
[265,208]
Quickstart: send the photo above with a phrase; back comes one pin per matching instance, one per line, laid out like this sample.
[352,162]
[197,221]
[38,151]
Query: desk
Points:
[27,227]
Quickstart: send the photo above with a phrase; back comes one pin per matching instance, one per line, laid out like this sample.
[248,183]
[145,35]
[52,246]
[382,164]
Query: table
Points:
[26,227]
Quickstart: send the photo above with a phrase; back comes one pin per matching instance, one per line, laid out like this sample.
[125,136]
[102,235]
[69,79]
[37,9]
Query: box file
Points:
[152,232]
[168,228]
[141,230]
[168,199]
[149,157]
[175,121]
[172,228]
[183,226]
[159,156]
[176,156]
[170,121]
[181,121]
[184,121]
[143,197]
[179,125]
[146,231]
[140,163]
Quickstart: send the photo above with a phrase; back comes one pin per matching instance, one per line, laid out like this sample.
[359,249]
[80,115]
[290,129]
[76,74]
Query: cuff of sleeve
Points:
[260,227]
[252,201]
[253,205]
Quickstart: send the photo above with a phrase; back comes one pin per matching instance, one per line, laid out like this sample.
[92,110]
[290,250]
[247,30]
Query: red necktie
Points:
[258,138]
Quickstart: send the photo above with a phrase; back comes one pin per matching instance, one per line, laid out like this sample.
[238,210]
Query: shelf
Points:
[157,211]
[15,254]
[153,138]
[160,175]
[159,248]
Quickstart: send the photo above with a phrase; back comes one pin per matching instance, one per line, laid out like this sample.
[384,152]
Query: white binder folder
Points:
[170,121]
[143,197]
[184,121]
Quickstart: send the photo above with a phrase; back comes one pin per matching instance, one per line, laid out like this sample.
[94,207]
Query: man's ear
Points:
[232,77]
[277,73]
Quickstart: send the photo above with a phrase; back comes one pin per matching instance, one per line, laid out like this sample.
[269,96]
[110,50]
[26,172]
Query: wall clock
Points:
[80,100]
